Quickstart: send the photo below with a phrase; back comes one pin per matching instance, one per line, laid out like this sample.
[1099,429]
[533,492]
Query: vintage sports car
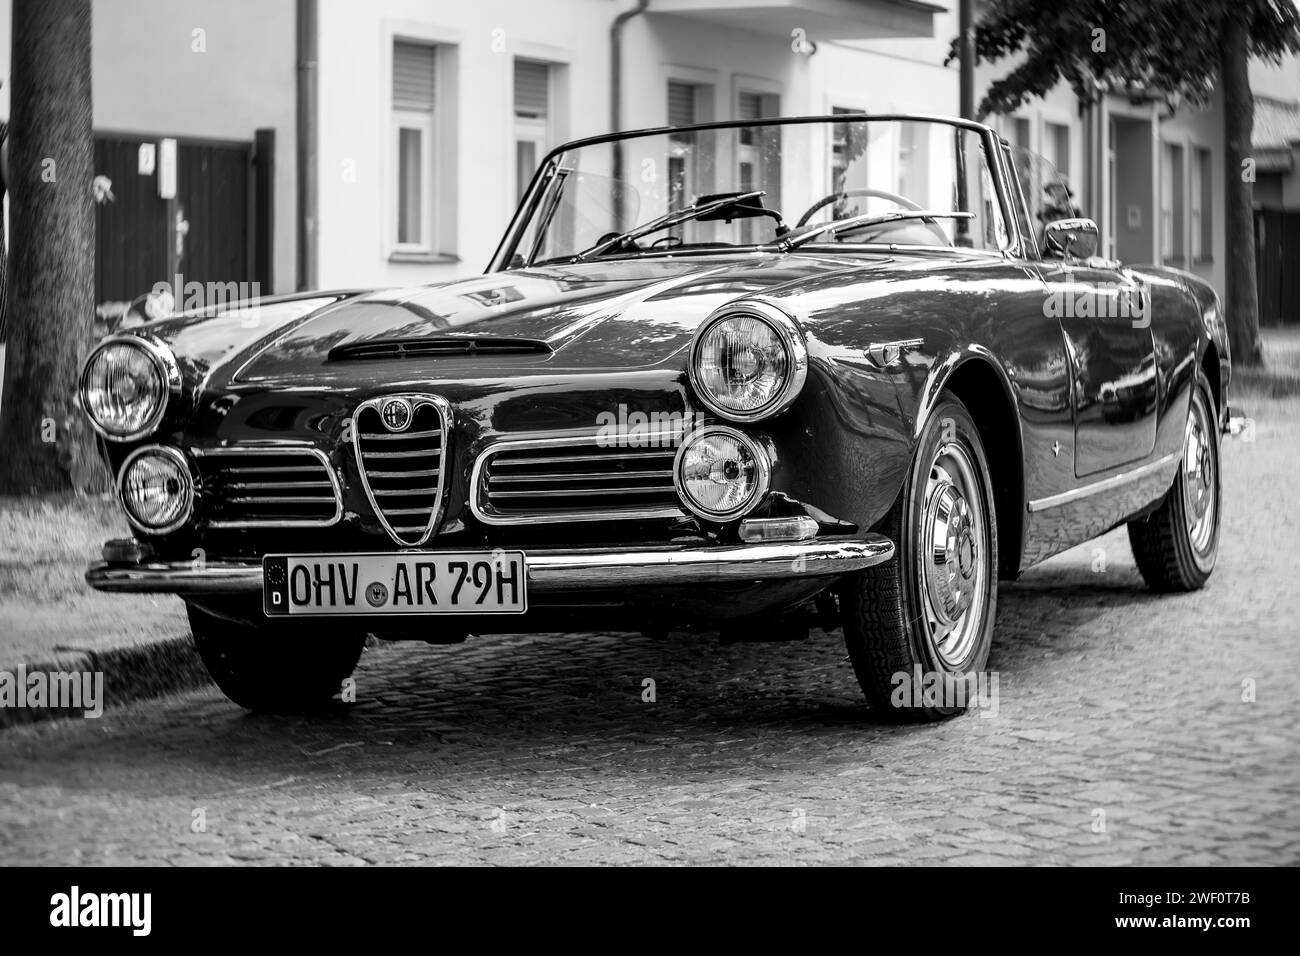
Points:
[739,377]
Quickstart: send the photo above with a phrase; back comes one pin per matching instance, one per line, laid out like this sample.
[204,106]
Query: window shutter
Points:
[532,89]
[755,106]
[414,76]
[681,103]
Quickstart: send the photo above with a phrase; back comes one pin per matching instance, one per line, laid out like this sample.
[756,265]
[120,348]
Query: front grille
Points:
[402,470]
[574,479]
[256,487]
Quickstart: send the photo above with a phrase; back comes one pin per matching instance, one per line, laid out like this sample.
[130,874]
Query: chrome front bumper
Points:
[554,570]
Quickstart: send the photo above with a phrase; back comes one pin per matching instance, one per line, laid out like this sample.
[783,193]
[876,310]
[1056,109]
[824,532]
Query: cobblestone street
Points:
[1120,736]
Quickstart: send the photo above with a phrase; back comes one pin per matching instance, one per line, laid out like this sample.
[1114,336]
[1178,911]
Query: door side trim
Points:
[1105,484]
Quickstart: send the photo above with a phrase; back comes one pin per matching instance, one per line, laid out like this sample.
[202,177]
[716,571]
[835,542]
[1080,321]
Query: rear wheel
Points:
[919,628]
[1175,546]
[275,668]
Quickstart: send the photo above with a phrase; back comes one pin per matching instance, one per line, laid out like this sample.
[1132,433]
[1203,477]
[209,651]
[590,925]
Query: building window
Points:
[1201,206]
[414,139]
[1020,132]
[1171,203]
[1056,146]
[840,150]
[533,111]
[687,105]
[1018,136]
[913,160]
[758,155]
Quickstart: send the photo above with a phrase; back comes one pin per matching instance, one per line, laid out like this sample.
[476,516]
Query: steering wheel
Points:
[671,241]
[876,193]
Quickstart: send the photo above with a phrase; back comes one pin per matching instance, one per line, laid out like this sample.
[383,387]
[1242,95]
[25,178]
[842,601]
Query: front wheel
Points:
[277,667]
[1175,546]
[919,628]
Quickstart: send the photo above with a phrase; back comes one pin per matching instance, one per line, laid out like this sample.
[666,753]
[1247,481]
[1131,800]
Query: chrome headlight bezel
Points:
[787,332]
[169,377]
[763,477]
[188,488]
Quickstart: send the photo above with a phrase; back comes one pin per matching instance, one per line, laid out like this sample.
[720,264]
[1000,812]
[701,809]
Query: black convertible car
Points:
[750,378]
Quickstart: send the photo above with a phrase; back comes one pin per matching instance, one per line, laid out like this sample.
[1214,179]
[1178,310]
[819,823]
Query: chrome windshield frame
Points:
[551,163]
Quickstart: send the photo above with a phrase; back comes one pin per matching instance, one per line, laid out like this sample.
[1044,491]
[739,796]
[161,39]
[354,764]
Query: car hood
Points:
[586,317]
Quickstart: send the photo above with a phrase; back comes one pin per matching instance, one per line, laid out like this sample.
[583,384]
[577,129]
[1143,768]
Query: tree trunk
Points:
[1242,305]
[51,263]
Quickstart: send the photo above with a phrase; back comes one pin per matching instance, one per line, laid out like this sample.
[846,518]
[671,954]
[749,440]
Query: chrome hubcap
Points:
[1200,477]
[953,554]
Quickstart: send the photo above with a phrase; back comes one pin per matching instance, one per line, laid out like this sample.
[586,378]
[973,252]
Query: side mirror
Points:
[1072,238]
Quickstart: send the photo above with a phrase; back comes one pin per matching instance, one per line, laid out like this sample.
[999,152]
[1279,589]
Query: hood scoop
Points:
[441,345]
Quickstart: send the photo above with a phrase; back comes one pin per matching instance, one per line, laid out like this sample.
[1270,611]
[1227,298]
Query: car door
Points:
[1103,311]
[1105,319]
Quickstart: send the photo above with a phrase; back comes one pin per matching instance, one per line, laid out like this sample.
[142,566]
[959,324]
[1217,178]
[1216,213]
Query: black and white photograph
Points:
[652,433]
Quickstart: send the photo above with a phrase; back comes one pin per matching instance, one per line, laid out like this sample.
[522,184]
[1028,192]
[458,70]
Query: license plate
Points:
[442,582]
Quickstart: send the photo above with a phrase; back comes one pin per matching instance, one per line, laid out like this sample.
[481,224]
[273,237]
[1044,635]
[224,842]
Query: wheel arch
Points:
[1210,366]
[984,387]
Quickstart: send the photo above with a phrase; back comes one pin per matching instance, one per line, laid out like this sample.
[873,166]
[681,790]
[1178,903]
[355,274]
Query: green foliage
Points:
[1169,49]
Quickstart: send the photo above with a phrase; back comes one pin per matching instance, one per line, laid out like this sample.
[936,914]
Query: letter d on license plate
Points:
[442,582]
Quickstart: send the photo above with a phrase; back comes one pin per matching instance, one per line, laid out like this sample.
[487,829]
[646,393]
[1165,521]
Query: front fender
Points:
[946,368]
[846,446]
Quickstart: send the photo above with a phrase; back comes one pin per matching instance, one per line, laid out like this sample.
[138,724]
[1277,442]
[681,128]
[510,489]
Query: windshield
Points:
[691,190]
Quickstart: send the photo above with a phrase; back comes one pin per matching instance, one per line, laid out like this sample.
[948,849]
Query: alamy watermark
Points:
[624,429]
[945,689]
[192,295]
[1098,300]
[124,910]
[55,690]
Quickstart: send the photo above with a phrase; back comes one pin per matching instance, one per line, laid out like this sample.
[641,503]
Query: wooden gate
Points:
[1277,266]
[217,227]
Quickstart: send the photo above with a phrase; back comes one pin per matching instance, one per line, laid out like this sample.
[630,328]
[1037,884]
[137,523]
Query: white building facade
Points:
[427,116]
[433,115]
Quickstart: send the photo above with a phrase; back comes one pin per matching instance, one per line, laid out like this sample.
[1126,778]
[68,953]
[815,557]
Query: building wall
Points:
[1137,179]
[1281,81]
[478,44]
[148,78]
[889,76]
[152,81]
[356,143]
[1203,129]
[1291,183]
[1278,80]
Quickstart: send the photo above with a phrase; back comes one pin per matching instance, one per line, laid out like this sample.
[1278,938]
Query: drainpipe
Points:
[306,143]
[616,97]
[966,54]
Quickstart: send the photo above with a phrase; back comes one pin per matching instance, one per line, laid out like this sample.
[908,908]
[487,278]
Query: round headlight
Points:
[156,488]
[748,362]
[721,473]
[125,385]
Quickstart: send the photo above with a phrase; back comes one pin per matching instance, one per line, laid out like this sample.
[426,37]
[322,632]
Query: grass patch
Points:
[46,542]
[45,604]
[1279,376]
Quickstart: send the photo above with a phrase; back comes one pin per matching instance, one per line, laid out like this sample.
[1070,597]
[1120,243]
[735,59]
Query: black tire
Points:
[277,667]
[888,630]
[1175,546]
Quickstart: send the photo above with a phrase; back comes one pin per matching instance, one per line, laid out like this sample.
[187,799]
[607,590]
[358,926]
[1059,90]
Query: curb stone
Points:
[135,673]
[138,672]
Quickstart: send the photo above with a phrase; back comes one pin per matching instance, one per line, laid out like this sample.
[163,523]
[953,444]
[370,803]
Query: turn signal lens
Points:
[758,530]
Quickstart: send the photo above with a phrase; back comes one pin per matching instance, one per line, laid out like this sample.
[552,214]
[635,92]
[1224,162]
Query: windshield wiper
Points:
[666,221]
[866,219]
